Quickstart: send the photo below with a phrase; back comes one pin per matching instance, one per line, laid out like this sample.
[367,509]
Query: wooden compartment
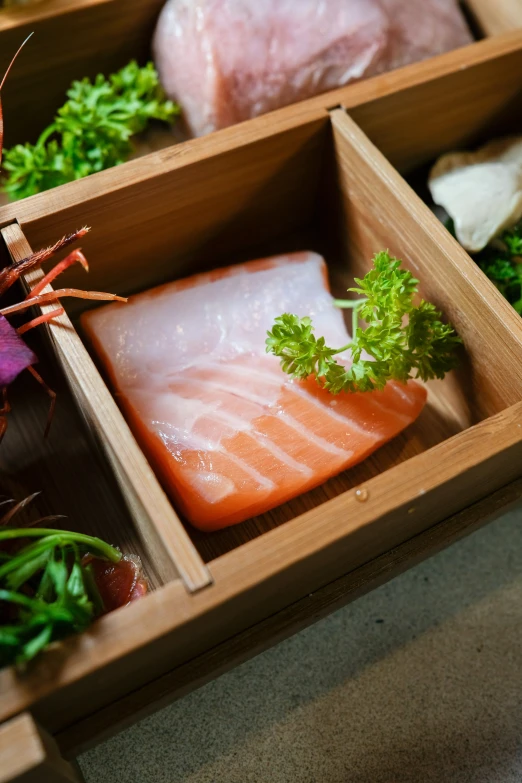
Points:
[496,16]
[164,543]
[451,114]
[309,180]
[81,38]
[72,39]
[305,177]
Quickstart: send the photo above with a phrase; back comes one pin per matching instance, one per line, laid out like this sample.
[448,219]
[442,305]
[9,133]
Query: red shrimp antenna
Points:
[6,74]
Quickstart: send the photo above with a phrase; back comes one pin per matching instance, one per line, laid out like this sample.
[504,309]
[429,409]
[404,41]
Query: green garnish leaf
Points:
[47,589]
[403,340]
[91,132]
[502,264]
[513,240]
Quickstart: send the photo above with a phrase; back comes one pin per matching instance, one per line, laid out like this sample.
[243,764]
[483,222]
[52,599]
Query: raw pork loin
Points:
[226,61]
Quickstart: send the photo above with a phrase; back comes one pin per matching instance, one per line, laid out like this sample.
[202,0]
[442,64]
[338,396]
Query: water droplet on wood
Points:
[362,495]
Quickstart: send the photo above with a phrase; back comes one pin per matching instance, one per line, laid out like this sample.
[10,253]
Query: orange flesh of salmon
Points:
[228,433]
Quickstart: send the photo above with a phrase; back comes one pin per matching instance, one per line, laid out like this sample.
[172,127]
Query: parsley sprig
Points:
[46,591]
[501,261]
[423,347]
[91,132]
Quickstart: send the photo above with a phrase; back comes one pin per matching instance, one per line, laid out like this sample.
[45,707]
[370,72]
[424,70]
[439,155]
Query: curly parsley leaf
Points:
[501,262]
[91,132]
[513,240]
[423,347]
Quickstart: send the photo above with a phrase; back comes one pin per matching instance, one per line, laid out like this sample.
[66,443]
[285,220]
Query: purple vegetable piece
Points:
[15,355]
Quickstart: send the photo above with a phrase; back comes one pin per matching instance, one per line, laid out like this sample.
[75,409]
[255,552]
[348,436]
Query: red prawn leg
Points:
[52,395]
[6,74]
[54,296]
[42,319]
[76,257]
[10,274]
[19,506]
[4,410]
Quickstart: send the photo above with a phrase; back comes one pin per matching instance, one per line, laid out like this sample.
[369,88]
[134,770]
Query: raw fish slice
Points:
[226,61]
[229,434]
[118,583]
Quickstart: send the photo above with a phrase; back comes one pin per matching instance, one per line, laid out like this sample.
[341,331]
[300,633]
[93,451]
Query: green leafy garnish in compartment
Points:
[91,132]
[47,590]
[404,340]
[501,261]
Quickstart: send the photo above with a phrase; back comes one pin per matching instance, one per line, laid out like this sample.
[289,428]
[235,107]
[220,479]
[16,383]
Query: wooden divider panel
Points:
[162,533]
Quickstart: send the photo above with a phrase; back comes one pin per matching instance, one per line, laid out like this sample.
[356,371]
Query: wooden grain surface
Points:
[497,16]
[139,704]
[168,628]
[423,120]
[322,541]
[29,755]
[73,39]
[131,647]
[161,533]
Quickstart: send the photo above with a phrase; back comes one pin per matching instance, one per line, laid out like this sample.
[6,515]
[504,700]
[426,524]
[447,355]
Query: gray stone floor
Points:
[419,681]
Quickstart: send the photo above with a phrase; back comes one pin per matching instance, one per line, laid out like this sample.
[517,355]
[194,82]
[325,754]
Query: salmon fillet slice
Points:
[228,433]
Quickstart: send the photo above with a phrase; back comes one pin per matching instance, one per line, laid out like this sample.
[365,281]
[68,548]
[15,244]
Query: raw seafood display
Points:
[229,433]
[15,355]
[481,193]
[54,583]
[226,61]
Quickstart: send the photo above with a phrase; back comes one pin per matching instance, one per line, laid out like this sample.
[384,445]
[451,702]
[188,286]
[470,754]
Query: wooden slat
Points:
[167,628]
[29,755]
[133,646]
[160,529]
[132,244]
[413,125]
[102,725]
[73,39]
[72,202]
[497,16]
[449,278]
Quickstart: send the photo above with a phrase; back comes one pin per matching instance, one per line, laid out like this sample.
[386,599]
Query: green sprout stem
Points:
[10,596]
[349,304]
[52,591]
[51,538]
[354,305]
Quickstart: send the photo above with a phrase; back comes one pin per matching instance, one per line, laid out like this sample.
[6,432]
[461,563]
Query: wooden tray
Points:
[325,175]
[78,38]
[496,16]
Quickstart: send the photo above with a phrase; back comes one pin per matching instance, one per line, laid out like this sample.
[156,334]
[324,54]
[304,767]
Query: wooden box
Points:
[325,175]
[78,38]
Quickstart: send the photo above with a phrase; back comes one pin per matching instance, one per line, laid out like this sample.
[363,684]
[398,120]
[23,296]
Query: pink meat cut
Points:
[226,61]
